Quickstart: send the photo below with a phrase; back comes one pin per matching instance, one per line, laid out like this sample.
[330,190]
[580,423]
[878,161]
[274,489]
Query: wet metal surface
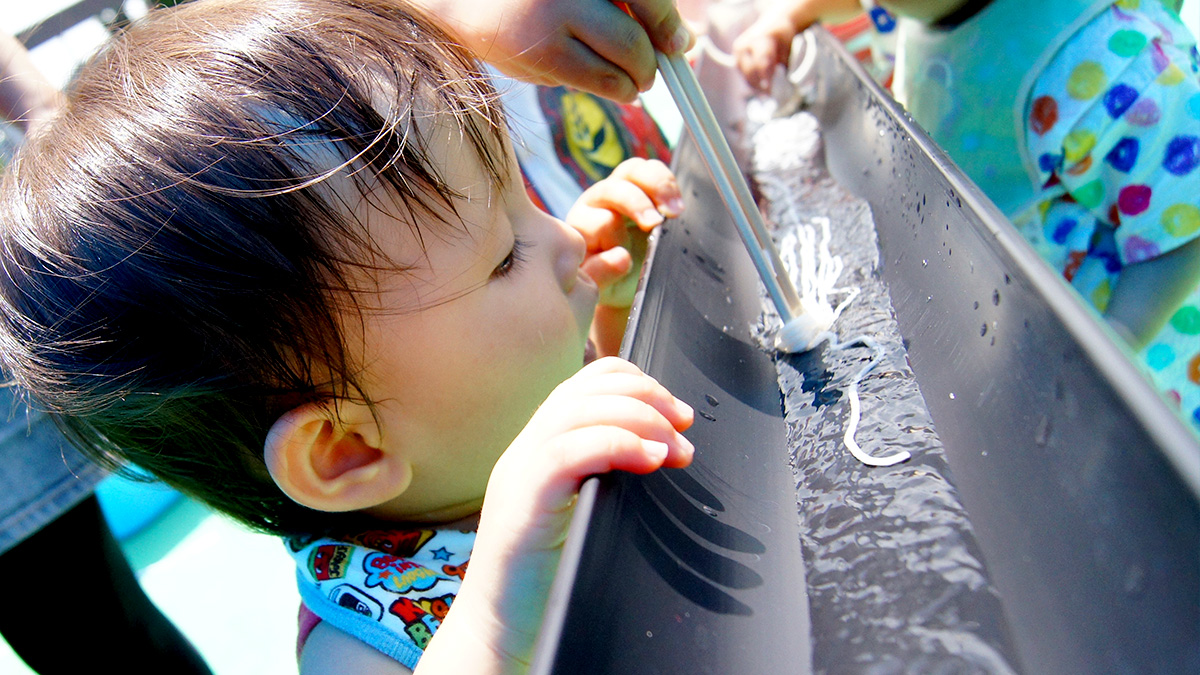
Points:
[1082,486]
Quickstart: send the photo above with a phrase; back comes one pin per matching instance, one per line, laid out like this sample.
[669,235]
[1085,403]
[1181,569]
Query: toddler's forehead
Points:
[414,256]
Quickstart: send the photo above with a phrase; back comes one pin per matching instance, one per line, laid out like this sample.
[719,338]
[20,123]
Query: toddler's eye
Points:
[512,261]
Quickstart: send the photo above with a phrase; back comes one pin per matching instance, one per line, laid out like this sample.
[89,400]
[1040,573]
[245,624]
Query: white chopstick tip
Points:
[804,331]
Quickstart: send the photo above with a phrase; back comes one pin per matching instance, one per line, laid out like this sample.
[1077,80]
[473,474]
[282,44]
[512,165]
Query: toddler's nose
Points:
[571,251]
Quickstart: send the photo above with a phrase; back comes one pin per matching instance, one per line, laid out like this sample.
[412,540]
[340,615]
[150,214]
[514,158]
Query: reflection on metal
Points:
[698,570]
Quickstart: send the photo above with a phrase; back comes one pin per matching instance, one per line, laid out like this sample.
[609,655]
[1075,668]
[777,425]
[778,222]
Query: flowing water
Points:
[897,582]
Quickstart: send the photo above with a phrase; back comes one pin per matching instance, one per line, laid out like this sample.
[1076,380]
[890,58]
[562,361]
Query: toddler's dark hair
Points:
[178,266]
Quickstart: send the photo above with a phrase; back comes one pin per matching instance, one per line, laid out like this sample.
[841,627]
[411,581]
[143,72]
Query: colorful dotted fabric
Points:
[1113,125]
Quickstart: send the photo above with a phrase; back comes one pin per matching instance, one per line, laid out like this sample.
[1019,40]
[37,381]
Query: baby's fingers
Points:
[591,451]
[621,197]
[653,420]
[655,180]
[601,228]
[613,376]
[608,267]
[600,449]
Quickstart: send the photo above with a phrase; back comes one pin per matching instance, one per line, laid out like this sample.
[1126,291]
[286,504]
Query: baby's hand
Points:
[640,191]
[608,417]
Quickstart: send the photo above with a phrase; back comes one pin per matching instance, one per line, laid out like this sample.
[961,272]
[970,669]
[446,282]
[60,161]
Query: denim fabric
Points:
[41,475]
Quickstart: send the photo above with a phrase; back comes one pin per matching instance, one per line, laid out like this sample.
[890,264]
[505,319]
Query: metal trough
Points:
[1070,491]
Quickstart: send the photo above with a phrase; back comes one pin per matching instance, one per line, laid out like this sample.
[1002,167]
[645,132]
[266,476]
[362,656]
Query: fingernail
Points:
[684,409]
[681,39]
[650,217]
[685,445]
[675,204]
[655,449]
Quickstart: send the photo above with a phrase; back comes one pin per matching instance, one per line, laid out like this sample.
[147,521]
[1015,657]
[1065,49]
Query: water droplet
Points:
[708,510]
[649,634]
[996,297]
[984,453]
[976,304]
[924,263]
[983,330]
[1135,579]
[951,396]
[706,415]
[1042,434]
[929,298]
[1007,280]
[711,399]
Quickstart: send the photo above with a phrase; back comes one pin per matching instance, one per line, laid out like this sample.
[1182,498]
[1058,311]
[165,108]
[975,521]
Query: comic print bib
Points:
[389,588]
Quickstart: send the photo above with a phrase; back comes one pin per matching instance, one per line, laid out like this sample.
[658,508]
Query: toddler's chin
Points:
[589,352]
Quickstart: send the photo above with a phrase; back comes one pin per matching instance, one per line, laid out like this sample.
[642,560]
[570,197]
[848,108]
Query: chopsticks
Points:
[699,119]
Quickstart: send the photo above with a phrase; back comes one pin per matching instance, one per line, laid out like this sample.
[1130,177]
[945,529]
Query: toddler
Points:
[1080,119]
[281,255]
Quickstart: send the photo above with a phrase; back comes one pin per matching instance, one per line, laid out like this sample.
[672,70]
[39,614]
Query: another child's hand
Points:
[639,192]
[591,45]
[763,47]
[767,43]
[608,417]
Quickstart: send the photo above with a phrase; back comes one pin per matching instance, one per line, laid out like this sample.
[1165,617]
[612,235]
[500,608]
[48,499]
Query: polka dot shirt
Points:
[1113,125]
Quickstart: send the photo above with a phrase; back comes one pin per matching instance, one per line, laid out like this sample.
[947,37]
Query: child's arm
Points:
[1147,293]
[767,43]
[329,651]
[608,417]
[26,97]
[640,191]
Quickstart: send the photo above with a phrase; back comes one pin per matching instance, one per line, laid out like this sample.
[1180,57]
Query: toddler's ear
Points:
[331,459]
